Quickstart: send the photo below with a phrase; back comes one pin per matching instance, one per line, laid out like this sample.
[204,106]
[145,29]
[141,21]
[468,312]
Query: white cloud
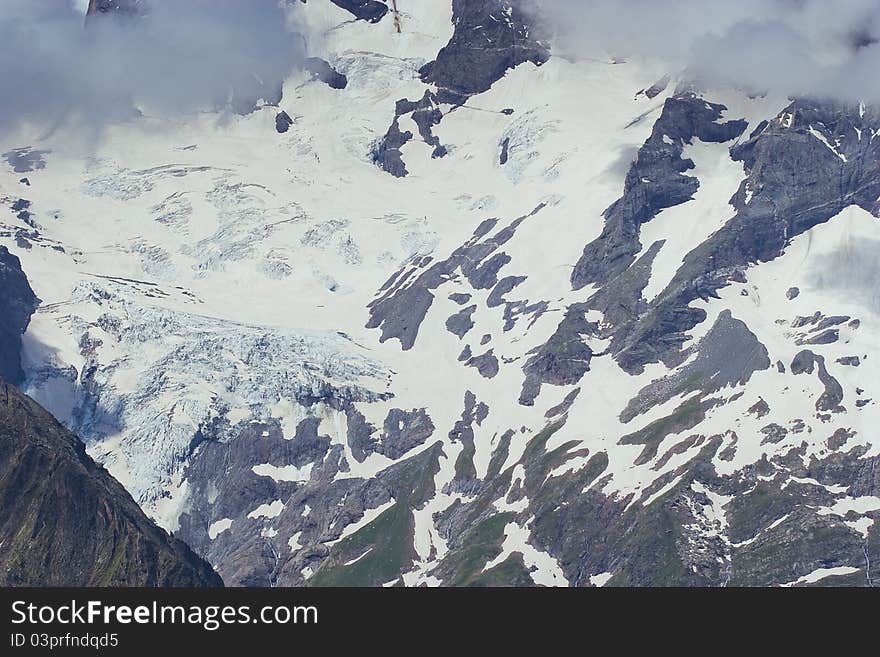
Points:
[792,46]
[184,56]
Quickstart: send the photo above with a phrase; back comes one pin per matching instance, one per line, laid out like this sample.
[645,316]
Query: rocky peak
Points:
[67,522]
[17,302]
[490,38]
[367,10]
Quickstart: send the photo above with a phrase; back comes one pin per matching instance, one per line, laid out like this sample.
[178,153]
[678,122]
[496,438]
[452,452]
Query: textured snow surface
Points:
[203,275]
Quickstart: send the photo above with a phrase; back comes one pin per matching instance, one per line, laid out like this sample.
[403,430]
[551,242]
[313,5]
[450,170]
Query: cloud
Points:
[186,55]
[852,271]
[795,47]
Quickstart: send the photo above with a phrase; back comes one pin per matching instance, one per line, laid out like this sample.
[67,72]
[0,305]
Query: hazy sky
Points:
[851,270]
[191,54]
[187,55]
[791,46]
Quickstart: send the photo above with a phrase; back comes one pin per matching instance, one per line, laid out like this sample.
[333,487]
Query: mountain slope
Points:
[18,302]
[482,315]
[114,6]
[67,522]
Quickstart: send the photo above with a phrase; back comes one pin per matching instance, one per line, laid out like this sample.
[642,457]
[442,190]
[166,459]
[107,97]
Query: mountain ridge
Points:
[67,522]
[481,314]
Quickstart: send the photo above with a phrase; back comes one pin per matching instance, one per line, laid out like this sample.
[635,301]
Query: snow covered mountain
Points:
[460,311]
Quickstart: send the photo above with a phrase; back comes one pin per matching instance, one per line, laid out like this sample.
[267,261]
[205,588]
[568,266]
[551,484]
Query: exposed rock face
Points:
[804,167]
[17,302]
[367,10]
[283,122]
[491,37]
[728,355]
[283,541]
[401,309]
[26,159]
[401,432]
[563,359]
[656,181]
[425,114]
[792,152]
[67,522]
[387,151]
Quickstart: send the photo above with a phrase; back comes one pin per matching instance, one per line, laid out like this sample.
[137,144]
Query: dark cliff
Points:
[64,521]
[17,302]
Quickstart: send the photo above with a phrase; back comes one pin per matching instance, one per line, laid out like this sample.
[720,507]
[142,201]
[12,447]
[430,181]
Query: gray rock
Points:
[794,182]
[760,408]
[490,38]
[121,7]
[25,160]
[462,322]
[563,407]
[773,433]
[563,359]
[402,431]
[400,310]
[831,399]
[387,153]
[283,122]
[17,304]
[426,114]
[657,88]
[804,361]
[825,337]
[486,364]
[505,151]
[371,11]
[321,69]
[728,355]
[655,181]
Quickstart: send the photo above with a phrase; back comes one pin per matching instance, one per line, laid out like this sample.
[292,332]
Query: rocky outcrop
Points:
[403,304]
[656,181]
[491,37]
[283,122]
[803,168]
[274,510]
[727,355]
[67,522]
[387,153]
[759,527]
[17,303]
[426,114]
[372,11]
[26,159]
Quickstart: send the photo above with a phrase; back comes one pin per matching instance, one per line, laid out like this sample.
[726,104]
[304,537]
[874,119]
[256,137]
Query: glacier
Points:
[319,373]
